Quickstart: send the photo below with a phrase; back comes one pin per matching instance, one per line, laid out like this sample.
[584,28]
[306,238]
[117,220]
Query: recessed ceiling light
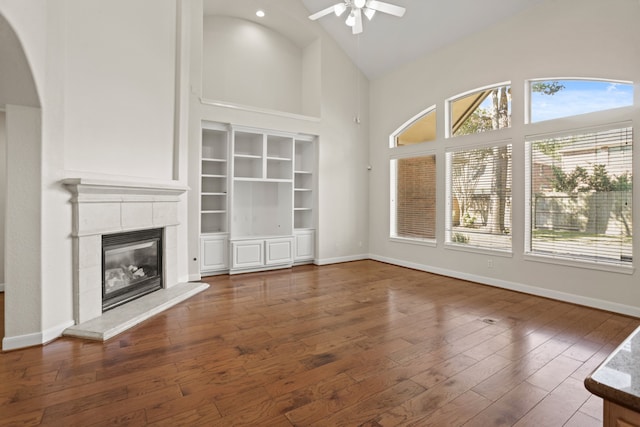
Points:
[260,14]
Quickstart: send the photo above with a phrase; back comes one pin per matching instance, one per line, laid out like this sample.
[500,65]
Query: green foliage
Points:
[547,88]
[468,220]
[549,147]
[579,180]
[478,121]
[623,183]
[600,180]
[575,181]
[459,238]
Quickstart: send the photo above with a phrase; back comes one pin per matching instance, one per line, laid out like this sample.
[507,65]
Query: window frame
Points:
[449,109]
[448,229]
[558,128]
[393,138]
[393,192]
[528,108]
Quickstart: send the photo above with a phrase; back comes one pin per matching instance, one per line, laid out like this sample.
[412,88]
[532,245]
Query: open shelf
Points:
[213,181]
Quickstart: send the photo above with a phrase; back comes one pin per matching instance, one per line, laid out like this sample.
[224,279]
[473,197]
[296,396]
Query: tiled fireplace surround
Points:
[106,207]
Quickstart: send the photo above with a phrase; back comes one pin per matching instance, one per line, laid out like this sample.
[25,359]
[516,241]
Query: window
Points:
[553,99]
[479,197]
[421,128]
[481,111]
[413,198]
[580,190]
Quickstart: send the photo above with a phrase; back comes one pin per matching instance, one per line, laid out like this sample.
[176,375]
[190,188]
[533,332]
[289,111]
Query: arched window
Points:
[481,110]
[421,128]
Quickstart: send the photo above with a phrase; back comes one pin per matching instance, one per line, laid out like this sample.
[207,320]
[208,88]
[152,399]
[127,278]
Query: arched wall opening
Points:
[20,194]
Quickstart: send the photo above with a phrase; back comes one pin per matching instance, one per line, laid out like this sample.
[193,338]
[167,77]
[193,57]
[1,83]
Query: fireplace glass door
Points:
[131,266]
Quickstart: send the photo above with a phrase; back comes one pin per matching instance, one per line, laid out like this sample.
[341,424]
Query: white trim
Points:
[234,106]
[423,152]
[1,287]
[35,339]
[414,241]
[576,262]
[518,287]
[337,260]
[494,143]
[478,250]
[403,127]
[577,131]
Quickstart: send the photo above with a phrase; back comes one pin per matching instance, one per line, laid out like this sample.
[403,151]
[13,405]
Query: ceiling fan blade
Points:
[391,9]
[357,27]
[323,12]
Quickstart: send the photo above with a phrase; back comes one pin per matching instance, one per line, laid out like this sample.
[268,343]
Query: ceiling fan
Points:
[358,8]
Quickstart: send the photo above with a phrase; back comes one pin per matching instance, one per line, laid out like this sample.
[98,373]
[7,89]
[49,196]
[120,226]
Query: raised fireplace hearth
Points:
[137,268]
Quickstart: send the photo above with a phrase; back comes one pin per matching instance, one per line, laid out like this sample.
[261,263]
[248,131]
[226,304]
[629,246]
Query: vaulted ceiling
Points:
[387,42]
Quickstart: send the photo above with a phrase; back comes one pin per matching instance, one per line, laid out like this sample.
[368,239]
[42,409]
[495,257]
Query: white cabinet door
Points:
[247,253]
[279,251]
[305,245]
[213,253]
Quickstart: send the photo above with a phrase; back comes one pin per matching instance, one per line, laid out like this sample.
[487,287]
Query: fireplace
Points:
[106,209]
[131,266]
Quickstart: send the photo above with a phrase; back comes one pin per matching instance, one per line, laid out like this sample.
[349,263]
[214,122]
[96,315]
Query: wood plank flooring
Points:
[355,344]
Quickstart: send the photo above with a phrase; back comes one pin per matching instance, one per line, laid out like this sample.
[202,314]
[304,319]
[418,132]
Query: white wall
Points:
[329,93]
[106,77]
[343,160]
[249,64]
[3,191]
[23,299]
[559,38]
[120,87]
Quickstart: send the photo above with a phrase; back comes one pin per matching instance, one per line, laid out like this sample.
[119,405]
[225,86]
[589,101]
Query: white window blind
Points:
[580,195]
[413,199]
[479,197]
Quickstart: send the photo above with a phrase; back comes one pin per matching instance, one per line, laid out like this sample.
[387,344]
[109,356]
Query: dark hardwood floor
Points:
[360,343]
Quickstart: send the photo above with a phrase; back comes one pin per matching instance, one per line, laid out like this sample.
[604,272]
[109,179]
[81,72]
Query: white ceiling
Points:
[386,42]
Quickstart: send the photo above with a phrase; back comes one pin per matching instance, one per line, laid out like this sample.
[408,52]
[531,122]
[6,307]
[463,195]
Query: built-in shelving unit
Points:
[261,232]
[214,172]
[266,220]
[304,198]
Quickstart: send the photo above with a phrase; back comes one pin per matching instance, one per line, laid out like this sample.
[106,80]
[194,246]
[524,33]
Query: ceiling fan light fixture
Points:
[369,13]
[358,8]
[351,19]
[339,8]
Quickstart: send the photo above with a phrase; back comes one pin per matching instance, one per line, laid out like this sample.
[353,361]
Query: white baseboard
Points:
[37,338]
[1,287]
[337,260]
[519,287]
[194,278]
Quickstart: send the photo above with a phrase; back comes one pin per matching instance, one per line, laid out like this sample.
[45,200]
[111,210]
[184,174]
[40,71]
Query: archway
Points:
[20,143]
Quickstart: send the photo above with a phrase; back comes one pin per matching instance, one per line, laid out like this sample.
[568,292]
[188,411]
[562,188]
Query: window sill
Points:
[479,250]
[414,241]
[578,263]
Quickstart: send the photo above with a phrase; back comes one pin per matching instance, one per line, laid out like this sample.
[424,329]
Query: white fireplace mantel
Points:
[108,206]
[103,206]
